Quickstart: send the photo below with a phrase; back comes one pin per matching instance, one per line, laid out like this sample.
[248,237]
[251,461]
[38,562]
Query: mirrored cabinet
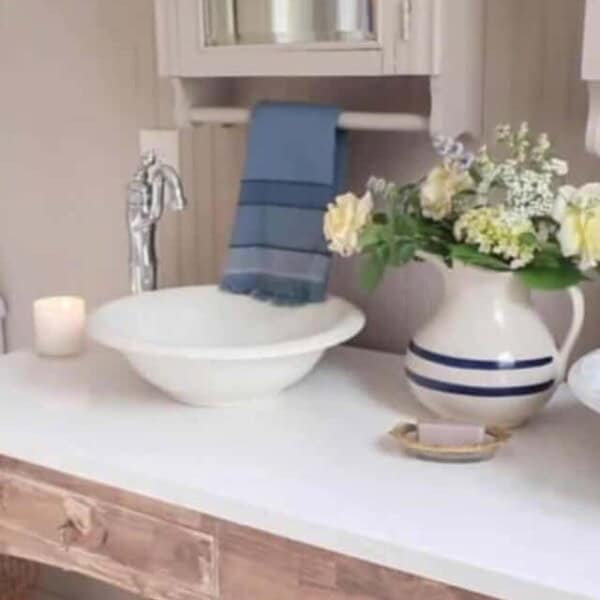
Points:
[441,40]
[276,37]
[312,37]
[239,22]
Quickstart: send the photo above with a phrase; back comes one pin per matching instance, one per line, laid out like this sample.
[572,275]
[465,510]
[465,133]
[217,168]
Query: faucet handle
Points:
[149,161]
[139,188]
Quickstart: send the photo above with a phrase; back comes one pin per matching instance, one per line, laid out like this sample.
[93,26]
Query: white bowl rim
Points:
[346,328]
[577,383]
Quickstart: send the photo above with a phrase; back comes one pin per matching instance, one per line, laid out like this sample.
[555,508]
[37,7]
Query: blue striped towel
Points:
[294,167]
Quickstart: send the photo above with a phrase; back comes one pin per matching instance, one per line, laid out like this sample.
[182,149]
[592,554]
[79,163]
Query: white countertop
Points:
[316,466]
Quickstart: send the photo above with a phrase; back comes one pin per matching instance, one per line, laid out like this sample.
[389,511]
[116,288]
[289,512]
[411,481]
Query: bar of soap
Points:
[450,434]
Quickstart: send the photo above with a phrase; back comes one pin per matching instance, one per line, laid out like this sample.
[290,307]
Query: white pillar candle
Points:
[59,325]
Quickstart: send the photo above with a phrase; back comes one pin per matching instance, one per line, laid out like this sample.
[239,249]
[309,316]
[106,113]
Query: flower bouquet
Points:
[506,213]
[495,227]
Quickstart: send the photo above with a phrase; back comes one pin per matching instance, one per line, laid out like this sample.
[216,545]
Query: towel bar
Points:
[370,121]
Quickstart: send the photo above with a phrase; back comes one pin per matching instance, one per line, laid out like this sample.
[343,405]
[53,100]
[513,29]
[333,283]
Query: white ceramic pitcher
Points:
[486,356]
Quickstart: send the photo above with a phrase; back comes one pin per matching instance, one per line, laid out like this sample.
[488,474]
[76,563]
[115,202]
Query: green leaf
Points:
[380,218]
[544,278]
[403,253]
[371,236]
[528,239]
[412,203]
[475,175]
[435,247]
[406,225]
[372,272]
[436,230]
[547,260]
[549,256]
[383,252]
[551,248]
[472,256]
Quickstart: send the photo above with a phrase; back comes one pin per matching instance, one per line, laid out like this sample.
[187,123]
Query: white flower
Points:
[494,230]
[377,186]
[558,167]
[523,132]
[453,152]
[503,132]
[544,230]
[578,213]
[528,192]
[525,182]
[541,149]
[345,220]
[441,185]
[380,189]
[443,145]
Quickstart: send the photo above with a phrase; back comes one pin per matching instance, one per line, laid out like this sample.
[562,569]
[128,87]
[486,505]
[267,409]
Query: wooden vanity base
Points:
[166,552]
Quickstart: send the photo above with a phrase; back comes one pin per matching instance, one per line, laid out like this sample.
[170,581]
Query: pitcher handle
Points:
[578,304]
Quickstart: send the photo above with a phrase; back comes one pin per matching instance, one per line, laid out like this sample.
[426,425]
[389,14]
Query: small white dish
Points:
[584,380]
[408,435]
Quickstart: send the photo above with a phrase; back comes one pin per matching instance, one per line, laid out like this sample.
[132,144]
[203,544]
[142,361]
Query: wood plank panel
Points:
[258,566]
[252,565]
[136,551]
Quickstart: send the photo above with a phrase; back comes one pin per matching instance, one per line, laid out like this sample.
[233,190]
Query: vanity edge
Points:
[243,563]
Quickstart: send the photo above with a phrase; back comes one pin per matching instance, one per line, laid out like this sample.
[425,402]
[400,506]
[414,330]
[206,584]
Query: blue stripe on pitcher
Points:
[471,390]
[472,363]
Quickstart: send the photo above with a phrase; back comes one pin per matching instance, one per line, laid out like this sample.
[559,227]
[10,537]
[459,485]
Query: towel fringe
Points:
[277,290]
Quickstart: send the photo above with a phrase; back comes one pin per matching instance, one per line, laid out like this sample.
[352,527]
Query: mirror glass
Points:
[288,21]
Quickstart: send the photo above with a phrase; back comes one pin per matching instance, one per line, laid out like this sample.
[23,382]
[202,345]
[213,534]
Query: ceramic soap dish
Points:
[407,435]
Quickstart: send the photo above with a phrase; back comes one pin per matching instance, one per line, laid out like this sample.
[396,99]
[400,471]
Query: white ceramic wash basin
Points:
[206,347]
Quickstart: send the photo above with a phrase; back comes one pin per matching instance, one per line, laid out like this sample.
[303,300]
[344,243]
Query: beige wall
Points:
[78,81]
[539,80]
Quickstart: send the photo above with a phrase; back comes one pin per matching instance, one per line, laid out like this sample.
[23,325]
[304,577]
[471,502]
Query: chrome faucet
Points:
[145,206]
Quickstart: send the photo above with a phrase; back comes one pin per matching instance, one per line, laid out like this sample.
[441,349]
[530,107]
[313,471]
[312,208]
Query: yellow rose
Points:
[344,221]
[441,185]
[578,213]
